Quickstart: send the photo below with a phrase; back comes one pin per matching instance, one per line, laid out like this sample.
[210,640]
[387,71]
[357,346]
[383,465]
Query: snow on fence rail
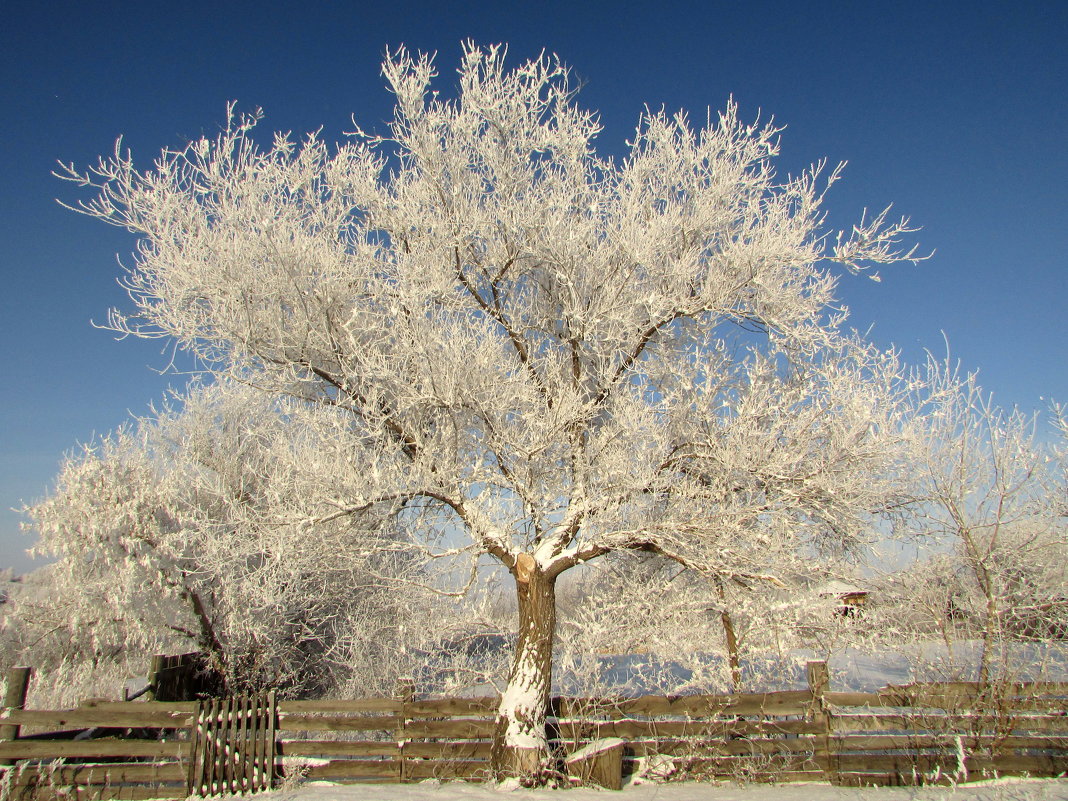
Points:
[921,733]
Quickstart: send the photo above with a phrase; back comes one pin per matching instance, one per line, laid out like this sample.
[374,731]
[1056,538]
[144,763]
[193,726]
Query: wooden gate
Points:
[233,745]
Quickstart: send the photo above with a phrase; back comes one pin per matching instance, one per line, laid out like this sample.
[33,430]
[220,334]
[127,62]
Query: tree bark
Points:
[520,745]
[733,658]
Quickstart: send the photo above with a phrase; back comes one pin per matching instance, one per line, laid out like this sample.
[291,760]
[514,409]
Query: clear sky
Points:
[953,111]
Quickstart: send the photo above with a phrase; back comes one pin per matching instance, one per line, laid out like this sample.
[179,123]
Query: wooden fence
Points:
[923,733]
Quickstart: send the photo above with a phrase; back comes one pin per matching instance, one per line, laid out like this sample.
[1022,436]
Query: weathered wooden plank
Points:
[187,707]
[892,742]
[232,709]
[459,729]
[244,743]
[765,728]
[195,755]
[792,702]
[1003,688]
[957,695]
[629,729]
[906,764]
[96,793]
[269,740]
[351,748]
[301,722]
[206,730]
[341,706]
[948,723]
[469,749]
[936,704]
[715,747]
[255,736]
[855,699]
[59,720]
[354,769]
[720,729]
[452,706]
[104,747]
[218,741]
[950,695]
[102,773]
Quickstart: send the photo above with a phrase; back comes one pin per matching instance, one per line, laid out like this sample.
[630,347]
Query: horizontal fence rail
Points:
[913,734]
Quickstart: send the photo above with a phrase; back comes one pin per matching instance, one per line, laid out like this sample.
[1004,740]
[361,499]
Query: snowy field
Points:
[999,790]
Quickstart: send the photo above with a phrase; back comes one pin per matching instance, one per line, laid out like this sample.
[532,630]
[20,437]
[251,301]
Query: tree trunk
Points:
[733,657]
[519,742]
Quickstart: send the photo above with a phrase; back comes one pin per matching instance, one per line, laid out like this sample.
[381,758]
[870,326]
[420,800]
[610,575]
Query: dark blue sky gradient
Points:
[955,112]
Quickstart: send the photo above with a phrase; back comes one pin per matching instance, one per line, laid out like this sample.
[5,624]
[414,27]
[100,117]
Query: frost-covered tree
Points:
[545,355]
[989,501]
[714,633]
[191,530]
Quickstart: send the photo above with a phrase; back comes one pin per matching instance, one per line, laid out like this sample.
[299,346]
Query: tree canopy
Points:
[510,345]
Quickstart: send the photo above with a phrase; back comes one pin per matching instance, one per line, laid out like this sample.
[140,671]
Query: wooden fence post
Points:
[405,693]
[269,740]
[18,685]
[818,682]
[154,672]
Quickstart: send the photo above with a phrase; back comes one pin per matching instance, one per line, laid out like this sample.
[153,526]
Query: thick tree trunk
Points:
[519,743]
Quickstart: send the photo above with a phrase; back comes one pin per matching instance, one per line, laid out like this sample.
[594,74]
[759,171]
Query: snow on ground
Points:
[998,790]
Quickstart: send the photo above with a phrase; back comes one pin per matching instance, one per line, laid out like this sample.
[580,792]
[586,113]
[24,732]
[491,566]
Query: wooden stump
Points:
[600,762]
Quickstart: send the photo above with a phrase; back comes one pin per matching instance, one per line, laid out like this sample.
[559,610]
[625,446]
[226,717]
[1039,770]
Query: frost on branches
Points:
[190,532]
[525,350]
[990,584]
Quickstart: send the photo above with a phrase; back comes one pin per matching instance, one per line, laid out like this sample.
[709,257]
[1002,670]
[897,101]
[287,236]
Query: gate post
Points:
[18,685]
[405,693]
[818,682]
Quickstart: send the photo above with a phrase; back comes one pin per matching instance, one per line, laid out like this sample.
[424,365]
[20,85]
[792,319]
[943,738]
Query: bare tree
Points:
[544,354]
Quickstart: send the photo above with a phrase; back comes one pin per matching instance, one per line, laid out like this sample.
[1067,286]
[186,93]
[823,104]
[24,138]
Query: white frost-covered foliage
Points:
[544,355]
[642,624]
[991,537]
[70,662]
[193,531]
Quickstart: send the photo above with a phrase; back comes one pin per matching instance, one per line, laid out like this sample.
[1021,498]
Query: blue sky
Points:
[955,112]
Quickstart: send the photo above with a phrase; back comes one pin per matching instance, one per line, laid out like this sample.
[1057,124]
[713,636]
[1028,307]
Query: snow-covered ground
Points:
[999,790]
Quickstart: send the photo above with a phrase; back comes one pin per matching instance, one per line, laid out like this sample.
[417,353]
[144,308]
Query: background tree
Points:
[989,496]
[189,531]
[545,355]
[670,630]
